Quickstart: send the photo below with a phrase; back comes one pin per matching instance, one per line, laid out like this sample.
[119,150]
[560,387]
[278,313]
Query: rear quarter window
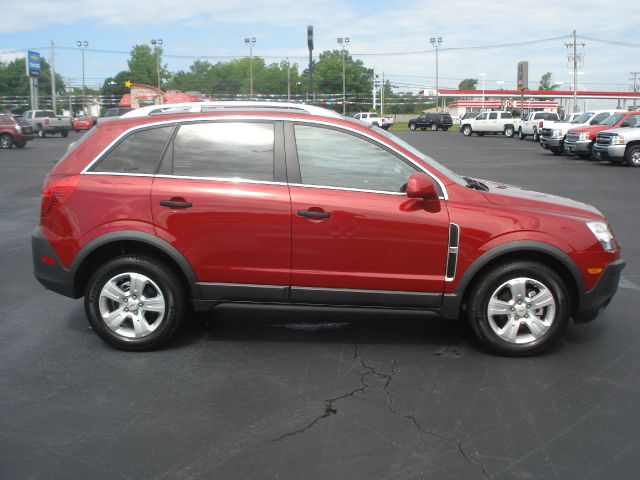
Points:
[137,153]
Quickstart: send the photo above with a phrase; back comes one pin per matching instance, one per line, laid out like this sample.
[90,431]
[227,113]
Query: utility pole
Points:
[634,77]
[342,41]
[250,42]
[575,58]
[374,90]
[288,80]
[53,78]
[382,96]
[436,42]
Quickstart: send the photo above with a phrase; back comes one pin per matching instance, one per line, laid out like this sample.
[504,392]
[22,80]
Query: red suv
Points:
[195,205]
[14,131]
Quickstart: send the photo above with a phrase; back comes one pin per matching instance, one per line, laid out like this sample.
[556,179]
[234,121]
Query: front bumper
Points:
[593,302]
[47,267]
[609,152]
[552,143]
[577,148]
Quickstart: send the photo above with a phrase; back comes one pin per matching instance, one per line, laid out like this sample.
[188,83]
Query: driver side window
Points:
[333,158]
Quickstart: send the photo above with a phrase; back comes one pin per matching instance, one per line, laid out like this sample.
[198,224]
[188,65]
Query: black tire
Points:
[521,135]
[375,124]
[20,144]
[6,140]
[467,130]
[444,129]
[632,156]
[490,285]
[171,289]
[77,130]
[40,131]
[434,127]
[64,133]
[508,131]
[480,134]
[412,126]
[536,136]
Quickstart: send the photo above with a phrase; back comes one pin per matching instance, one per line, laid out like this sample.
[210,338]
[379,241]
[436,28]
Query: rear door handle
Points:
[175,203]
[312,214]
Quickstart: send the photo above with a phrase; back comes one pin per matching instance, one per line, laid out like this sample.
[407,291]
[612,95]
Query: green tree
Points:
[143,66]
[546,82]
[14,81]
[468,84]
[115,85]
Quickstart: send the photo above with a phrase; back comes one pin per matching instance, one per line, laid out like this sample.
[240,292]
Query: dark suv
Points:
[14,131]
[195,205]
[433,121]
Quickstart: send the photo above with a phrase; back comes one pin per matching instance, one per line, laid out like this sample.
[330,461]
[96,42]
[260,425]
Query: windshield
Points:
[613,119]
[428,160]
[583,118]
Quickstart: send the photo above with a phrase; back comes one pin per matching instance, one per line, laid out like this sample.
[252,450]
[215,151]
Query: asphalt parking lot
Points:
[250,394]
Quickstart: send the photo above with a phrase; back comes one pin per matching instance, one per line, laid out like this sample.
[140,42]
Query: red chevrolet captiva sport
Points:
[183,207]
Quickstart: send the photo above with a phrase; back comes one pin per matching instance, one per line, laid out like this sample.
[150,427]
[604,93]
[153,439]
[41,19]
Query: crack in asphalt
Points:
[331,409]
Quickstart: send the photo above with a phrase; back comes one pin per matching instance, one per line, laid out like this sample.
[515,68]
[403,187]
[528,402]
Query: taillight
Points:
[46,121]
[540,124]
[55,191]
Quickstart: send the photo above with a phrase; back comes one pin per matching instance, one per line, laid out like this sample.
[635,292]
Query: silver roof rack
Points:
[198,107]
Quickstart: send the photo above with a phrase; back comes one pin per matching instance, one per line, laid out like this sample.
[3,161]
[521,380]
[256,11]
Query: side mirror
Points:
[421,185]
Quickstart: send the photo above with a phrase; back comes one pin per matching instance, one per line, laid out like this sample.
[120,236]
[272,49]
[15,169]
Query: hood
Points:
[621,131]
[590,128]
[518,197]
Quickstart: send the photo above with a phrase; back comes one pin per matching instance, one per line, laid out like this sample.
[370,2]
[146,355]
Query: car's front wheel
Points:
[520,134]
[135,303]
[6,141]
[632,157]
[466,130]
[519,308]
[412,126]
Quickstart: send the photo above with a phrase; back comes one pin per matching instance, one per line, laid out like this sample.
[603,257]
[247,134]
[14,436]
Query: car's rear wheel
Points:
[536,136]
[434,127]
[466,130]
[508,131]
[632,157]
[135,303]
[519,308]
[40,131]
[521,135]
[64,133]
[6,141]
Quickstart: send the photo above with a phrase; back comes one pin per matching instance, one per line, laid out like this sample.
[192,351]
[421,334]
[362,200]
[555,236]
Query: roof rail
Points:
[197,107]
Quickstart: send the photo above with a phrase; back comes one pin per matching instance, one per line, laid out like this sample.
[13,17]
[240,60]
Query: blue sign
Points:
[33,64]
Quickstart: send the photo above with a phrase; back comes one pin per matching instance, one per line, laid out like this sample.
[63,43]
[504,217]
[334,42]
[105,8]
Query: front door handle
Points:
[176,203]
[313,214]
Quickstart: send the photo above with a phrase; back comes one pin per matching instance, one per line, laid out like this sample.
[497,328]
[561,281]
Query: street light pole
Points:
[342,41]
[436,42]
[250,42]
[83,46]
[157,45]
[482,75]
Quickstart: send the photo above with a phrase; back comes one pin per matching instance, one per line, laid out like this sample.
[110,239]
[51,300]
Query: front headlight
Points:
[601,231]
[583,137]
[557,133]
[617,140]
[18,128]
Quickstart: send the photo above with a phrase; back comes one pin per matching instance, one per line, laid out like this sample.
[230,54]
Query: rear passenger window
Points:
[506,115]
[139,152]
[493,115]
[225,150]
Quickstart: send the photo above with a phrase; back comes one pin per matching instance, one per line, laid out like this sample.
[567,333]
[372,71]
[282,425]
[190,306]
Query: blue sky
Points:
[381,33]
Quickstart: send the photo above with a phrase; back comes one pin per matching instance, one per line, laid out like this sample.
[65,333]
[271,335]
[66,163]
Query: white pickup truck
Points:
[552,135]
[491,122]
[46,121]
[532,124]
[372,118]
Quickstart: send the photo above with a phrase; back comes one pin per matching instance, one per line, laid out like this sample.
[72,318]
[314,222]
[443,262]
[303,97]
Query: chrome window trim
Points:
[98,157]
[347,189]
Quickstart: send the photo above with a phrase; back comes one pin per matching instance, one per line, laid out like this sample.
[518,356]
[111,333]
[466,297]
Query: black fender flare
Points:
[142,237]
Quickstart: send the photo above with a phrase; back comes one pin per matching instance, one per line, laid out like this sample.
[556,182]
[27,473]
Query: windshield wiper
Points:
[475,184]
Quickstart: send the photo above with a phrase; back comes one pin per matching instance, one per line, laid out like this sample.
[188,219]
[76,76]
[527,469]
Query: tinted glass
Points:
[482,117]
[506,115]
[336,159]
[493,115]
[599,118]
[45,113]
[446,117]
[6,121]
[225,150]
[613,119]
[138,153]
